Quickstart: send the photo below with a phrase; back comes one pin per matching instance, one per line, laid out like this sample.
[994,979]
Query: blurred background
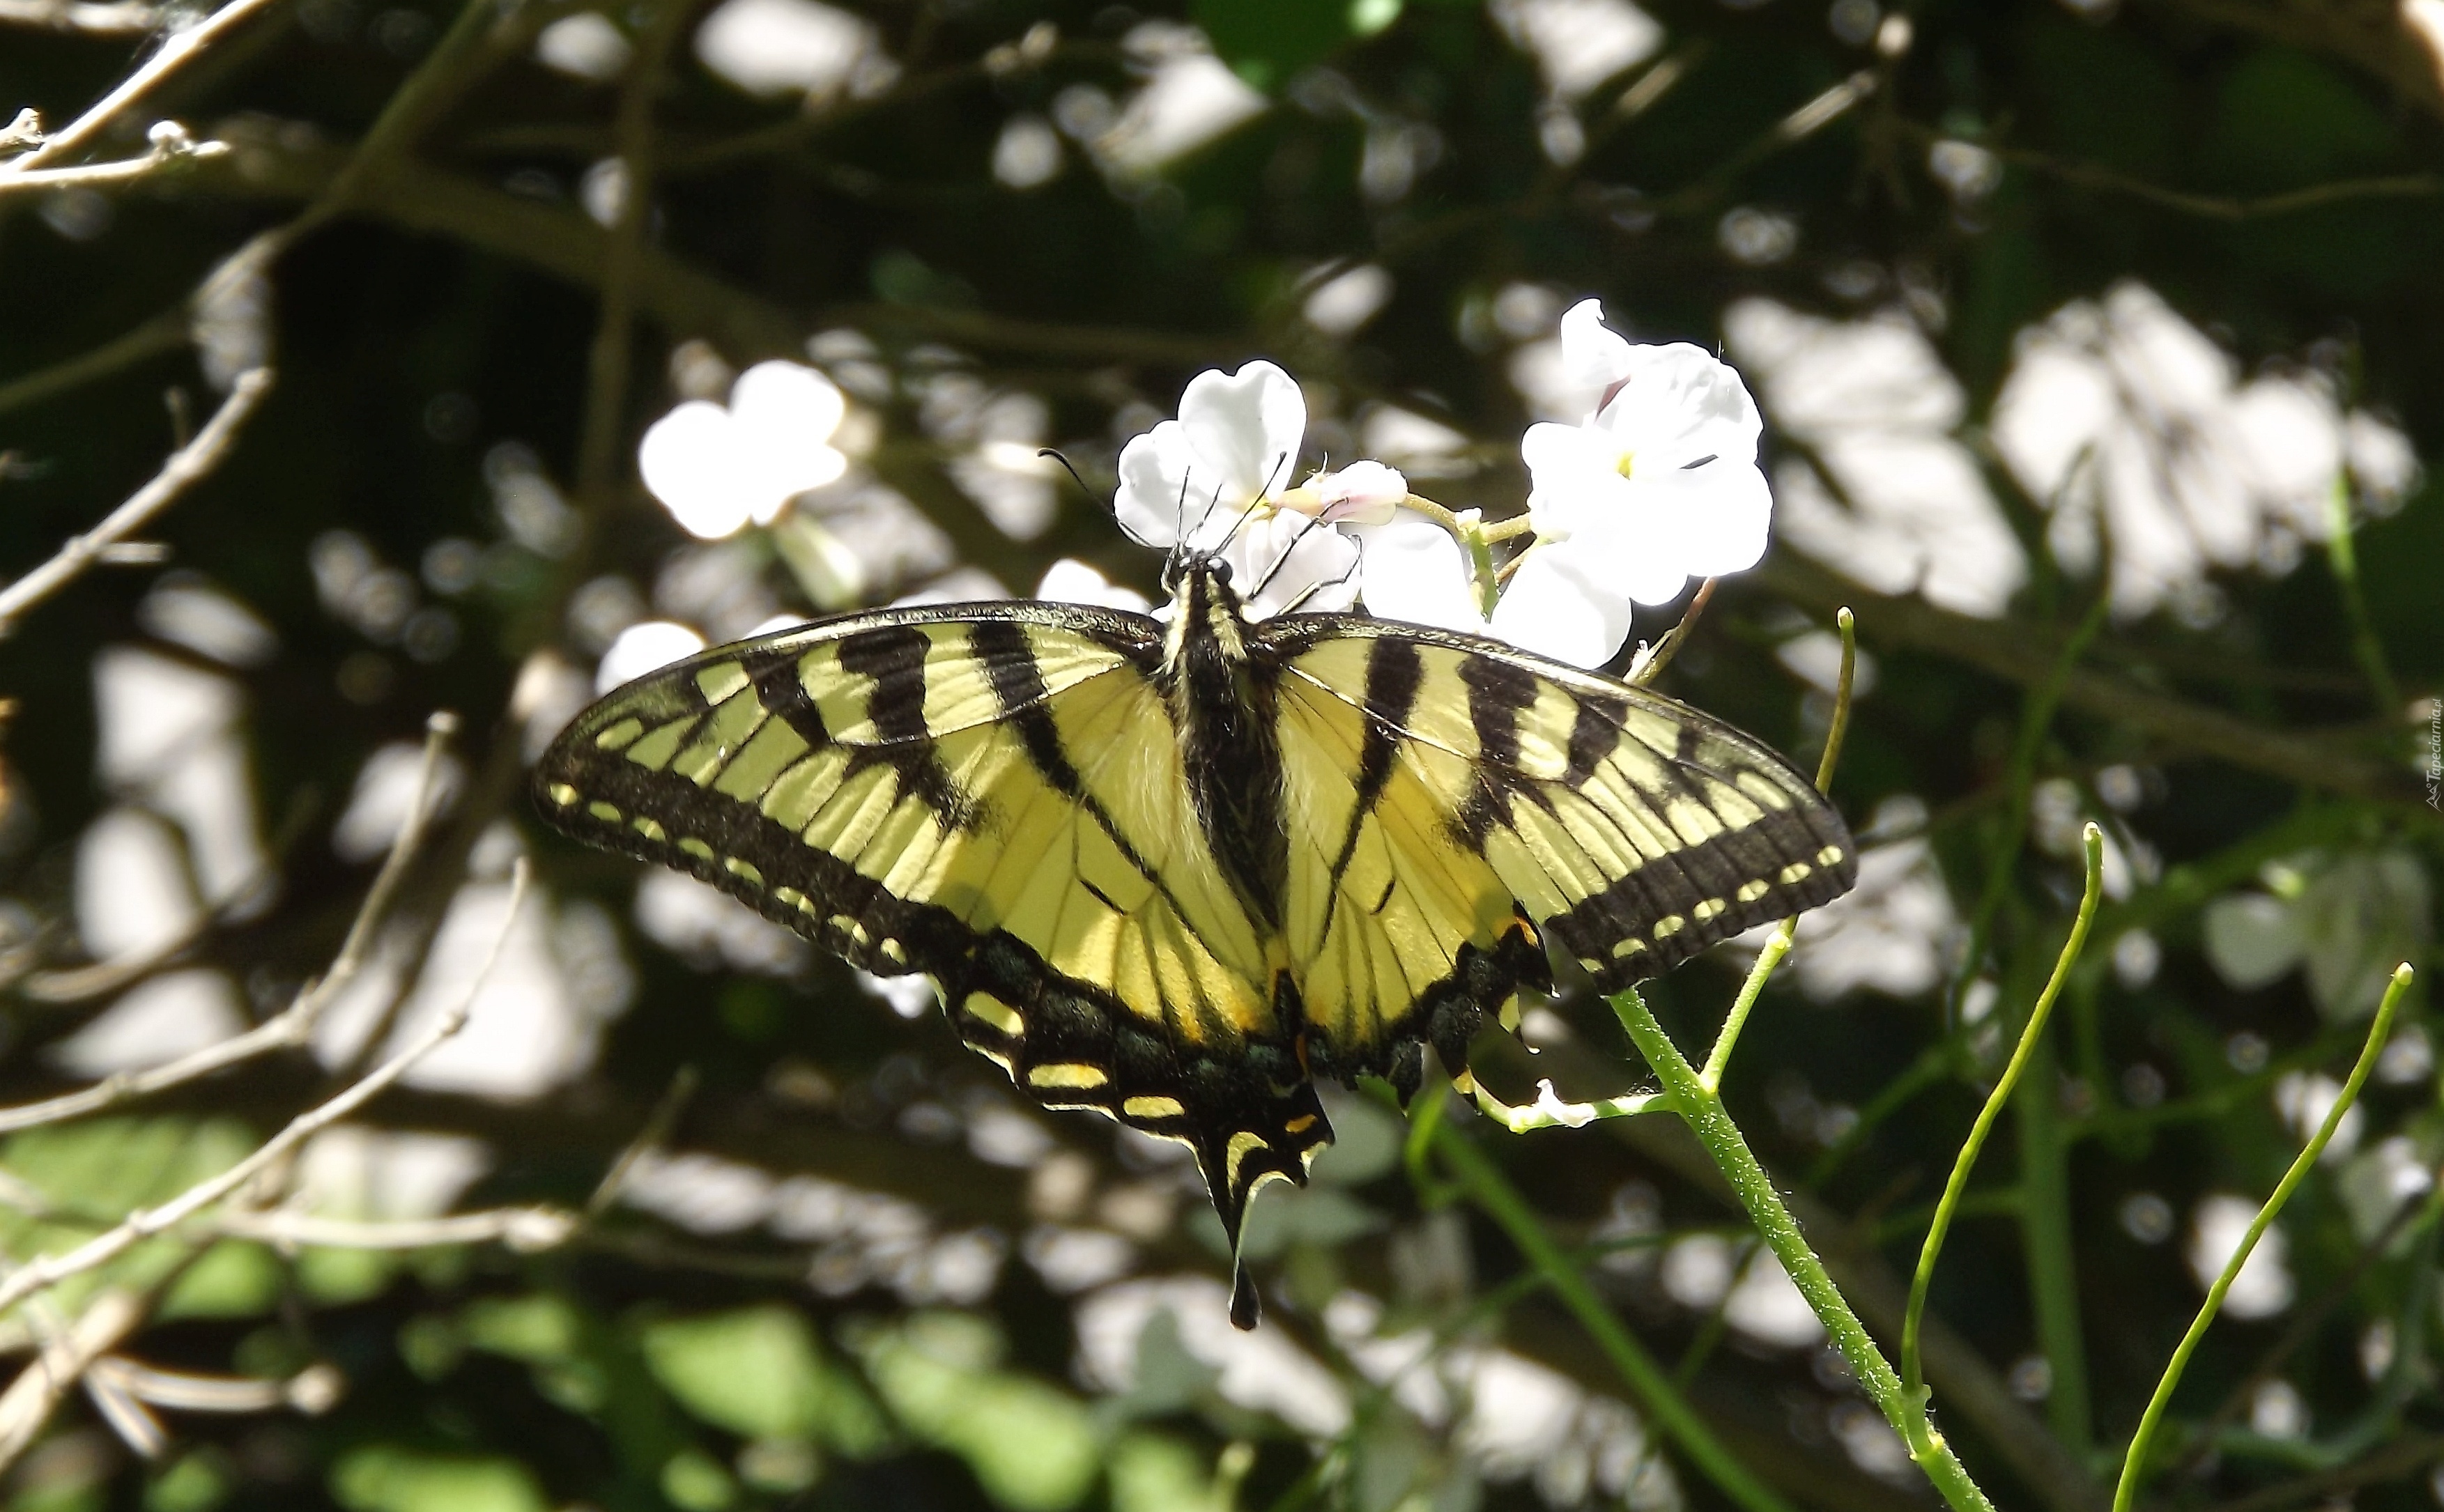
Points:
[2101,350]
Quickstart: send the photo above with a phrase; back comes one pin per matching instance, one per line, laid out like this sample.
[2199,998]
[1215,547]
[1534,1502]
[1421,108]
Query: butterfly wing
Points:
[991,794]
[1491,788]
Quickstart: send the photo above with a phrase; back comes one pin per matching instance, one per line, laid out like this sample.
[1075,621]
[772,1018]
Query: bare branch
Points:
[173,55]
[526,1230]
[49,1270]
[311,1391]
[174,152]
[28,1403]
[186,466]
[295,1024]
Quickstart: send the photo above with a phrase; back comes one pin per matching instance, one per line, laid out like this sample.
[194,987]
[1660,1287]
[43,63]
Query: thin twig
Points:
[607,391]
[312,1389]
[2134,1464]
[1650,660]
[1777,944]
[526,1230]
[1913,1375]
[2208,206]
[167,153]
[1474,1171]
[51,1270]
[295,1025]
[28,1404]
[2303,1327]
[651,1137]
[186,466]
[172,54]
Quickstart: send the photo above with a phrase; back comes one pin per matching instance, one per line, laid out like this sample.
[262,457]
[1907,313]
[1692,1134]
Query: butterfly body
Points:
[1174,870]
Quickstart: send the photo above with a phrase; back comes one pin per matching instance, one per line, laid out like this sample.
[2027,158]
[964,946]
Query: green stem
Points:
[1480,561]
[1778,945]
[1648,1382]
[2046,1244]
[2342,555]
[1712,1125]
[2036,717]
[2134,1465]
[1913,1375]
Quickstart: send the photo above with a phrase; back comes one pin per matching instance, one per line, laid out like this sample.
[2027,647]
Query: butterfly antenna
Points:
[1071,468]
[1284,559]
[1314,588]
[1250,512]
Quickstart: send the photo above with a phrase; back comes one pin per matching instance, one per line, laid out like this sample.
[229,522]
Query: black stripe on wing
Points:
[1792,857]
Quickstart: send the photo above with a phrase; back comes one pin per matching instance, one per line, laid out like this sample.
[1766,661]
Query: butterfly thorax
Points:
[1222,700]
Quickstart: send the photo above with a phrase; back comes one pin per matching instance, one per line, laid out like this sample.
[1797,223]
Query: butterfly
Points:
[1177,869]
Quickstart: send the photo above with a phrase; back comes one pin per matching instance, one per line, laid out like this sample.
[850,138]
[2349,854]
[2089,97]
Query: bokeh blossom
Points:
[1218,479]
[717,468]
[1657,486]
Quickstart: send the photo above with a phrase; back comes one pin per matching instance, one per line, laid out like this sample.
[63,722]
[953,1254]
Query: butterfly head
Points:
[1188,570]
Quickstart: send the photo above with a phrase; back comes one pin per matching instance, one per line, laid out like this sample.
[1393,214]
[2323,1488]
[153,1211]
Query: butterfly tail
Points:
[1275,1140]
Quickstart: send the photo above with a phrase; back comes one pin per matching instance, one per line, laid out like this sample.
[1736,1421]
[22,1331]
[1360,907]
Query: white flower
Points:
[1218,479]
[1657,486]
[715,469]
[1070,580]
[1660,483]
[642,648]
[1552,605]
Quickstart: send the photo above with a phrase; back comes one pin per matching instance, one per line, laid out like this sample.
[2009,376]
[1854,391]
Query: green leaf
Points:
[229,1281]
[193,1482]
[1032,1447]
[758,1372]
[2284,119]
[386,1478]
[540,1329]
[1267,41]
[1152,1473]
[693,1482]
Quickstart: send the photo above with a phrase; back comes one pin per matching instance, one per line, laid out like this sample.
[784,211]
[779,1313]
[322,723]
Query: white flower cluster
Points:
[1656,484]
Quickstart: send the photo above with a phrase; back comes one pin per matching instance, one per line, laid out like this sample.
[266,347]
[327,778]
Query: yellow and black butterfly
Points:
[1175,871]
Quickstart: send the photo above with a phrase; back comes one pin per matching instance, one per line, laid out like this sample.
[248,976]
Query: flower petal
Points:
[1575,478]
[1718,516]
[1244,431]
[1593,358]
[782,414]
[1638,551]
[1368,491]
[1070,580]
[792,404]
[1415,572]
[1678,404]
[1281,558]
[691,461]
[1555,607]
[1154,470]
